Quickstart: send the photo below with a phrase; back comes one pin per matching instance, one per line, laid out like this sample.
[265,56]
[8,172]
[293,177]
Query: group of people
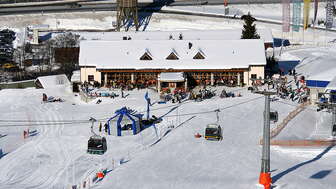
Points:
[225,94]
[46,99]
[176,96]
[200,94]
[299,92]
[105,127]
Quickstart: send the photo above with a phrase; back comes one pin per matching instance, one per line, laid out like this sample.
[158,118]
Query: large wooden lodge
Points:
[232,62]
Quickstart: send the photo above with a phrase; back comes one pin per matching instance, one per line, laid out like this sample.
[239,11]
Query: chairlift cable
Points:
[42,121]
[27,124]
[154,109]
[56,123]
[295,105]
[40,124]
[224,108]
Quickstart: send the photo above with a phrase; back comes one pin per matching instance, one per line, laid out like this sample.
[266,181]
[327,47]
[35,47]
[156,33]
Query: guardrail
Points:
[276,131]
[303,143]
[44,3]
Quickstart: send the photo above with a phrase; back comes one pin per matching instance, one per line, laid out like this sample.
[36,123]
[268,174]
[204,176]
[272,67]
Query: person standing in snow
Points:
[292,95]
[105,127]
[122,92]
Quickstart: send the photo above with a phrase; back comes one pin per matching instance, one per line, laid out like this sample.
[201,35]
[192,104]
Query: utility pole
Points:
[265,175]
[334,115]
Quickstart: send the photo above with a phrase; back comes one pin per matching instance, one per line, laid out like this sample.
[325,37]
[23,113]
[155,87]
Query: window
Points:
[90,77]
[254,76]
[172,56]
[198,56]
[146,56]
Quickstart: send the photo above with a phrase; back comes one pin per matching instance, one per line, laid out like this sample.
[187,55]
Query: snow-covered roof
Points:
[227,34]
[75,76]
[332,84]
[327,75]
[171,76]
[53,81]
[219,54]
[315,63]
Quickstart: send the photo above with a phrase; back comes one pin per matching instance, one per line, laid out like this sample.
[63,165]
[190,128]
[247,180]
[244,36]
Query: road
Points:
[110,5]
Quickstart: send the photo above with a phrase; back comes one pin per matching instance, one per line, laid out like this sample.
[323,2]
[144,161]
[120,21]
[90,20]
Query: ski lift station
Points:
[321,83]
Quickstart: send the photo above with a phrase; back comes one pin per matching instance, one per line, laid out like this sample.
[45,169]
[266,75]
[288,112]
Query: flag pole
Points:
[303,29]
[325,37]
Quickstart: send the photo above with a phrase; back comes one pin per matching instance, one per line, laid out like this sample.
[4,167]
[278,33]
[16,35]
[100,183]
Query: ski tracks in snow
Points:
[42,161]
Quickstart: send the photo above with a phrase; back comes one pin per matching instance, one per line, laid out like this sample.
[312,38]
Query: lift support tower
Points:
[127,11]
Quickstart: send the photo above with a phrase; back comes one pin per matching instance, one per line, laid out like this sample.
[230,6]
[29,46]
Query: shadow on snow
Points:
[278,176]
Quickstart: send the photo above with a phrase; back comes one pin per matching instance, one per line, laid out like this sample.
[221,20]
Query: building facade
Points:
[209,62]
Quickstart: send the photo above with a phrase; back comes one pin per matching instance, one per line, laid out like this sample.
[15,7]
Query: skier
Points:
[44,98]
[105,127]
[122,93]
[24,134]
[178,96]
[292,95]
[100,126]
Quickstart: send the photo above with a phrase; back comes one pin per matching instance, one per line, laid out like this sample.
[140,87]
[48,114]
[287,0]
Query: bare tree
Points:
[66,40]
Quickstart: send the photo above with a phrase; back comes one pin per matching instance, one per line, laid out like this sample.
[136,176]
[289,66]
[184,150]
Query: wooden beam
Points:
[170,70]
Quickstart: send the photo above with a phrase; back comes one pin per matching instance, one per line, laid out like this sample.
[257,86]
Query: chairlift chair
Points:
[97,145]
[213,132]
[274,116]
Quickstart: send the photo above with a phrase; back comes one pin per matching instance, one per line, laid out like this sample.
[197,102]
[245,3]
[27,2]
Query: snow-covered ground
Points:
[57,158]
[167,22]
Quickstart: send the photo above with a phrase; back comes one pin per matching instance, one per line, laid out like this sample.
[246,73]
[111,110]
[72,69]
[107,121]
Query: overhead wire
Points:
[211,111]
[295,105]
[56,123]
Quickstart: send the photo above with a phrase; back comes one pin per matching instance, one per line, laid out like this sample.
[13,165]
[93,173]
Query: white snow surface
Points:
[332,84]
[57,158]
[227,34]
[219,54]
[75,76]
[317,63]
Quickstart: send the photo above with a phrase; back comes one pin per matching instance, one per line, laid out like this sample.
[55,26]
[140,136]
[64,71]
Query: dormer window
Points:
[146,56]
[172,56]
[199,55]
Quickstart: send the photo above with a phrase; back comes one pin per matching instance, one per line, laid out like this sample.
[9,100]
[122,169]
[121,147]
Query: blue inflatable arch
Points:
[119,114]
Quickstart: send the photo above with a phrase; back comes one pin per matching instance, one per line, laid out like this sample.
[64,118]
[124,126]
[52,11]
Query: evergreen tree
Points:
[249,31]
[272,66]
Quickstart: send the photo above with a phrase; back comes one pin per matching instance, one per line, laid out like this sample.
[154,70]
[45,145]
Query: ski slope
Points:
[57,158]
